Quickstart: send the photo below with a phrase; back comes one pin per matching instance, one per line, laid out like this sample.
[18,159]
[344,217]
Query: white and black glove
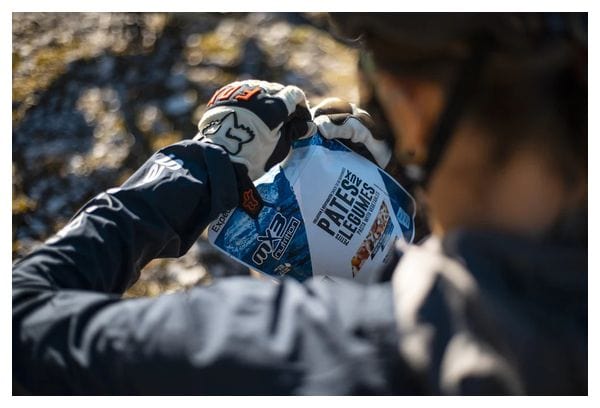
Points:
[338,119]
[255,122]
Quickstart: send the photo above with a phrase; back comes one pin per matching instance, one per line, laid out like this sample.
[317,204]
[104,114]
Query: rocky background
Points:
[94,95]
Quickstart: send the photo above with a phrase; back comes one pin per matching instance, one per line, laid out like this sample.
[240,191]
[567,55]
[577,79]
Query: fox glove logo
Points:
[228,133]
[249,201]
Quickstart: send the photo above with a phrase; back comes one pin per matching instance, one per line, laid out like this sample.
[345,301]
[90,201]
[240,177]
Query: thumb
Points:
[298,125]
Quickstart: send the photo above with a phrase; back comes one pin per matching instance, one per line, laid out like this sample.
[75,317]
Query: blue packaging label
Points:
[328,212]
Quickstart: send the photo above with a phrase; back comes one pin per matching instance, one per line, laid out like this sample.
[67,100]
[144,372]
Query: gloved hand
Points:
[255,122]
[338,119]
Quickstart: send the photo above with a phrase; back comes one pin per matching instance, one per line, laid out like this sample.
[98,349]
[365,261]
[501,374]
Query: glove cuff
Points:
[249,198]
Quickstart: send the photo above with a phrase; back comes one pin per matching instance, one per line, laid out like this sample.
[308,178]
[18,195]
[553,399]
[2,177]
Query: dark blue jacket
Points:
[74,334]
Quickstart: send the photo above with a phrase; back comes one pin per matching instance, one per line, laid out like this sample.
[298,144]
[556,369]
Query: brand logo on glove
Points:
[226,93]
[249,202]
[238,134]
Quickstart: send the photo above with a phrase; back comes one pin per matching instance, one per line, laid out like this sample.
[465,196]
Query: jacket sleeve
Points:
[158,212]
[73,334]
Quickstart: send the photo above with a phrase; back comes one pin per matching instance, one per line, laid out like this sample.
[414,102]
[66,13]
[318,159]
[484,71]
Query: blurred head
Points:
[490,108]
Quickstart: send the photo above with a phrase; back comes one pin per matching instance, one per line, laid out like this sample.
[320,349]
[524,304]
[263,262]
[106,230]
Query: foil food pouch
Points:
[328,212]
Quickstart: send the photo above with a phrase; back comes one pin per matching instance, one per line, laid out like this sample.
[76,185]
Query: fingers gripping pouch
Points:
[326,211]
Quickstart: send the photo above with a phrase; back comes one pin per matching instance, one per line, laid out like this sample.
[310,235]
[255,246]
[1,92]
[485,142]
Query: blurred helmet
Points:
[405,37]
[469,43]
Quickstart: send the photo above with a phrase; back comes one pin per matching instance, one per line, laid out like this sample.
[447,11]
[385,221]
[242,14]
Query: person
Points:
[486,112]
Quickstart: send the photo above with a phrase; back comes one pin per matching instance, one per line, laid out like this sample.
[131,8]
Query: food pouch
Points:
[328,212]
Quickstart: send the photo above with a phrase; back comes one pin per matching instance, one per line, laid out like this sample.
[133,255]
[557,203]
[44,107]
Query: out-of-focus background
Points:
[95,94]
